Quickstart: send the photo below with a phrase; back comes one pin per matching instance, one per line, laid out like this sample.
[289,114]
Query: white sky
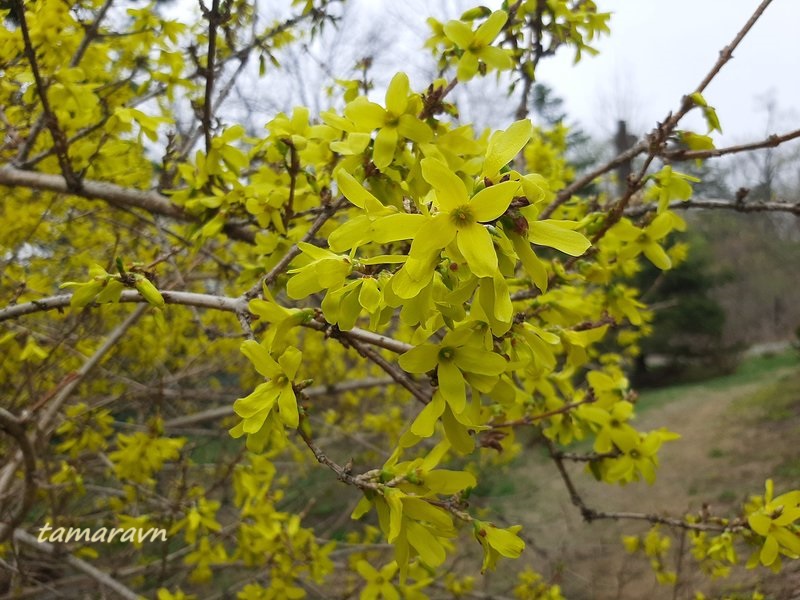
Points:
[660,49]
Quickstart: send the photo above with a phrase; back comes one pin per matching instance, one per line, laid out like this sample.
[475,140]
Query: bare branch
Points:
[16,429]
[209,301]
[530,419]
[719,204]
[371,338]
[116,195]
[101,578]
[536,52]
[342,473]
[724,56]
[185,298]
[594,515]
[590,514]
[771,142]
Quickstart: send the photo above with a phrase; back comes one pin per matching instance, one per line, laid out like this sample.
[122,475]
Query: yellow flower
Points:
[497,542]
[256,407]
[646,241]
[775,521]
[455,357]
[477,45]
[398,119]
[459,218]
[378,582]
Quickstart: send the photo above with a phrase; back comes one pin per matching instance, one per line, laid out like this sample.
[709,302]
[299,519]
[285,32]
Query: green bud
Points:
[479,12]
[149,292]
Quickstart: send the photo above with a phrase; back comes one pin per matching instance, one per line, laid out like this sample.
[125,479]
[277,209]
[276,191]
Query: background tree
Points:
[374,303]
[687,322]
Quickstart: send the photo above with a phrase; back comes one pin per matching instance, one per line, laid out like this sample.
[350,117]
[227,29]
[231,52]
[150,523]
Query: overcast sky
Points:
[660,49]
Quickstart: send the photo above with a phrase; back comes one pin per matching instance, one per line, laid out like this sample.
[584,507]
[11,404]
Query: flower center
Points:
[462,216]
[446,354]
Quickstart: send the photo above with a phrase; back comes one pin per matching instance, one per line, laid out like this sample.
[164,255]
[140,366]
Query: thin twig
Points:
[530,419]
[88,37]
[51,121]
[590,514]
[593,515]
[44,422]
[222,412]
[536,50]
[213,17]
[342,473]
[392,370]
[329,209]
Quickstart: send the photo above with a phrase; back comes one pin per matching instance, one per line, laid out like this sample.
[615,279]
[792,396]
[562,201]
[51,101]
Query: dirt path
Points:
[721,458]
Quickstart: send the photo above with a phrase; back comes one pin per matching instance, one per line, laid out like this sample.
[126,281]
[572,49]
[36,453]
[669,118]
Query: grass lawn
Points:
[750,370]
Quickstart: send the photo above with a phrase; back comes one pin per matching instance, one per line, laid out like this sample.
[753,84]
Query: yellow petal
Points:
[496,57]
[429,548]
[467,66]
[505,145]
[457,433]
[450,190]
[656,255]
[287,402]
[769,551]
[459,32]
[505,541]
[365,114]
[557,234]
[491,202]
[397,94]
[392,498]
[447,482]
[475,244]
[530,262]
[435,234]
[412,128]
[262,361]
[355,192]
[385,146]
[425,423]
[452,386]
[475,360]
[490,28]
[396,227]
